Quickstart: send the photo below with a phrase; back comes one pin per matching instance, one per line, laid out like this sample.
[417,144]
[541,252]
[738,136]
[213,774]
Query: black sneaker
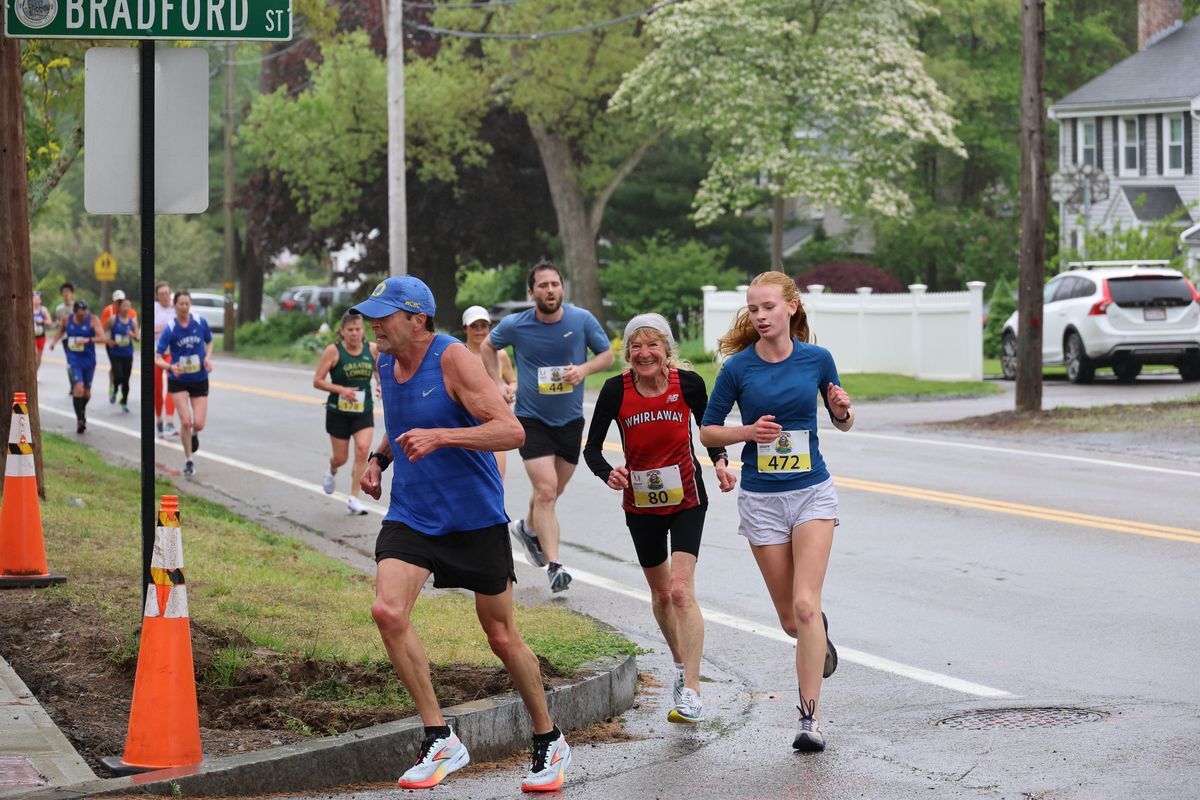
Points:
[195,442]
[189,469]
[831,659]
[809,738]
[533,550]
[560,579]
[80,426]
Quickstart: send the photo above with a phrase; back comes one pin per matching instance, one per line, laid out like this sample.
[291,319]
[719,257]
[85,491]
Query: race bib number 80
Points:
[787,454]
[657,488]
[552,380]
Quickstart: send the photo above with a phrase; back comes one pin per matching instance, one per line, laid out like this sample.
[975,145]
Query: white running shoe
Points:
[548,766]
[688,710]
[809,738]
[355,508]
[440,755]
[327,482]
[677,689]
[171,431]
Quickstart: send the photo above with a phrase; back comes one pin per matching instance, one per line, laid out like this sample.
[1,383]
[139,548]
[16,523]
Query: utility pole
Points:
[230,267]
[18,370]
[397,208]
[1033,206]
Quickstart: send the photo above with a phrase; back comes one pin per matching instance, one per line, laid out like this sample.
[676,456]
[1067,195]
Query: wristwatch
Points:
[836,418]
[384,461]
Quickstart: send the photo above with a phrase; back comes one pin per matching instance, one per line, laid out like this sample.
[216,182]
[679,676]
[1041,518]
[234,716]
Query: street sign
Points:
[106,267]
[233,20]
[111,182]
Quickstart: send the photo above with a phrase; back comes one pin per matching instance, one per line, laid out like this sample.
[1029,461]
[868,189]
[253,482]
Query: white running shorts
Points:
[770,517]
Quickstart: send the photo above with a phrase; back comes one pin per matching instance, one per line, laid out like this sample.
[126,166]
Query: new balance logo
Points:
[427,392]
[568,333]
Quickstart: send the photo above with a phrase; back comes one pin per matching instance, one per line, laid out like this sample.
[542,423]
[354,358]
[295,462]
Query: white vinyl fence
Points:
[932,336]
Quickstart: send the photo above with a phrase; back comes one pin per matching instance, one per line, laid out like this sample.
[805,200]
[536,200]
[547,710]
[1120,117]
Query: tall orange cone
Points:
[164,721]
[22,549]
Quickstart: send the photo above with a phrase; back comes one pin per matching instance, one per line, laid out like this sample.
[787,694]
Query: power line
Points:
[542,34]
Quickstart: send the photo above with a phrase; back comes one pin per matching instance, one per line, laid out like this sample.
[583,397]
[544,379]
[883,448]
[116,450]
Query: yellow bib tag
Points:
[551,380]
[788,453]
[121,340]
[189,364]
[355,406]
[656,488]
[76,344]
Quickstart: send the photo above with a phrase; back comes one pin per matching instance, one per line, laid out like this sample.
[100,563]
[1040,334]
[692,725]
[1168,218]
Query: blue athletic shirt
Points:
[549,345]
[187,346]
[80,354]
[451,489]
[788,390]
[122,331]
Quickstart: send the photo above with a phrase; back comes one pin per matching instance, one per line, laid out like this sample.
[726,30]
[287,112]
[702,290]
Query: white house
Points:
[1135,126]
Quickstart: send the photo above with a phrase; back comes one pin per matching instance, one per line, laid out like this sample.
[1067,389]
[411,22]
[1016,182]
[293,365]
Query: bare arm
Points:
[491,360]
[764,431]
[469,385]
[98,331]
[328,360]
[372,479]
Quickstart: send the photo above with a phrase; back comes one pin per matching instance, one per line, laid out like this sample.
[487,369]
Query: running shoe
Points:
[80,426]
[125,407]
[809,738]
[677,689]
[354,507]
[548,766]
[831,659]
[327,482]
[440,755]
[529,541]
[195,442]
[688,710]
[189,468]
[560,579]
[171,429]
[159,427]
[112,397]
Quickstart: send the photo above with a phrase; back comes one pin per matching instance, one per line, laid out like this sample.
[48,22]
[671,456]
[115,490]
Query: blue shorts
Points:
[82,373]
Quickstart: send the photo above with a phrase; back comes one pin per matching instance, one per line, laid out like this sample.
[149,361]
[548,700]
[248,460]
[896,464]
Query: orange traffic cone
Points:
[22,549]
[164,722]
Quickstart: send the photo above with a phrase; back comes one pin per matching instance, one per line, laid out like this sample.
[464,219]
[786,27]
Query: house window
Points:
[1130,146]
[1087,142]
[1173,143]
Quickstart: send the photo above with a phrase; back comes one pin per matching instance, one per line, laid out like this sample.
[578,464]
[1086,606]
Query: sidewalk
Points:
[33,751]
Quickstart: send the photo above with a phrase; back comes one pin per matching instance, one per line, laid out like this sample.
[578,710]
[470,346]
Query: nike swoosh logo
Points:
[426,392]
[568,333]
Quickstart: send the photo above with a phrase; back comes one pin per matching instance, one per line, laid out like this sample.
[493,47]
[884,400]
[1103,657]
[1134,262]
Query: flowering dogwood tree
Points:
[823,100]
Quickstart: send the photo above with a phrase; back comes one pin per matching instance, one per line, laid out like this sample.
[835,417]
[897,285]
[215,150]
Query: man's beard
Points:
[547,307]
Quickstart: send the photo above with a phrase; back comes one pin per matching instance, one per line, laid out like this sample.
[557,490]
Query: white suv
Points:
[1119,317]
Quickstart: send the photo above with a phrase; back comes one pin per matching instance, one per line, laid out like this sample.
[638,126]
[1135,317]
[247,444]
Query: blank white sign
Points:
[111,114]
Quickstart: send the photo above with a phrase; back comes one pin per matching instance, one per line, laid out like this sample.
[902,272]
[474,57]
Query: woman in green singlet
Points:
[345,372]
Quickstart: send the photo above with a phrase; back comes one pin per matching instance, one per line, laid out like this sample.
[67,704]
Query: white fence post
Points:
[863,360]
[975,332]
[916,291]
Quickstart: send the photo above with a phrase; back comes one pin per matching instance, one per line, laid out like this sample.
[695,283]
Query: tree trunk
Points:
[41,188]
[18,366]
[1033,206]
[570,209]
[777,233]
[250,280]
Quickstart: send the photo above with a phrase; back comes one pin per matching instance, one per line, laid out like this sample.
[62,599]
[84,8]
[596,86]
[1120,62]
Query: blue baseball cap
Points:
[400,293]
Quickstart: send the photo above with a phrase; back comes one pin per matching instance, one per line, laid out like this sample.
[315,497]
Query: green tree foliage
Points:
[662,275]
[479,286]
[820,101]
[1155,241]
[1001,305]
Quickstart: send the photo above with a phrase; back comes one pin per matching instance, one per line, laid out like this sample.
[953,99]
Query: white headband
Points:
[653,321]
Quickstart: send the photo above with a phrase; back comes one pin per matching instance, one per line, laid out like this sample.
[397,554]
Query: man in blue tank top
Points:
[444,417]
[83,332]
[551,342]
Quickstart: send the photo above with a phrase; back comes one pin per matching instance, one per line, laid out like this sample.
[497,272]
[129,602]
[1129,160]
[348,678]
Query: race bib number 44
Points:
[657,488]
[355,406]
[189,364]
[552,380]
[788,453]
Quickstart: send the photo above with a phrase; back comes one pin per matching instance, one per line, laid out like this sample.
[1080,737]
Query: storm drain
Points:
[1018,718]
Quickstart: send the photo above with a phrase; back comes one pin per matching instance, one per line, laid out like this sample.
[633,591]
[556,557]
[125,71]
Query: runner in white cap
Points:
[477,324]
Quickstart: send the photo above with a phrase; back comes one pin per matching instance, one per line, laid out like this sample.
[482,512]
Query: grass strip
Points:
[277,592]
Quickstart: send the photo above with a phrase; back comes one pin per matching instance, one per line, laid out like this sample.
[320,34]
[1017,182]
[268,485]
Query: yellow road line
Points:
[1000,506]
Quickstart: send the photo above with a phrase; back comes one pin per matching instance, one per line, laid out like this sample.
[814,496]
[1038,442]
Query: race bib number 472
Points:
[787,453]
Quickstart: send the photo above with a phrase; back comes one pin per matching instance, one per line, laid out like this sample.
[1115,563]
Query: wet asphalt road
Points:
[969,574]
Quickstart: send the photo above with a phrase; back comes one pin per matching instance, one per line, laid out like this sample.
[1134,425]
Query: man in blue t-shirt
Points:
[551,341]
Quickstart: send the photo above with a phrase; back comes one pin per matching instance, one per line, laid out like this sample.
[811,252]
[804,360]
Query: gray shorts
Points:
[770,517]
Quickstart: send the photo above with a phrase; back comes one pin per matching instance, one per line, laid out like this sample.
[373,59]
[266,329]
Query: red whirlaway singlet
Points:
[656,432]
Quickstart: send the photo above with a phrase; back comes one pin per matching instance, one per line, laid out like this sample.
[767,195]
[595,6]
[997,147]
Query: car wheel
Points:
[1127,371]
[1190,370]
[1079,367]
[1008,356]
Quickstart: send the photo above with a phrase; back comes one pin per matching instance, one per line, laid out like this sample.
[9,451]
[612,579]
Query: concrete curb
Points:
[491,728]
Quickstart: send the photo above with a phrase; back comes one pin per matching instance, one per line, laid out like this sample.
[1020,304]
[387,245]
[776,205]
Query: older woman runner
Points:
[345,372]
[787,504]
[653,403]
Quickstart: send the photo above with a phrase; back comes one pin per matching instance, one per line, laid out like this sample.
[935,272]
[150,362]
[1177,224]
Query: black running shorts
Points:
[565,441]
[649,532]
[193,388]
[341,425]
[480,560]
